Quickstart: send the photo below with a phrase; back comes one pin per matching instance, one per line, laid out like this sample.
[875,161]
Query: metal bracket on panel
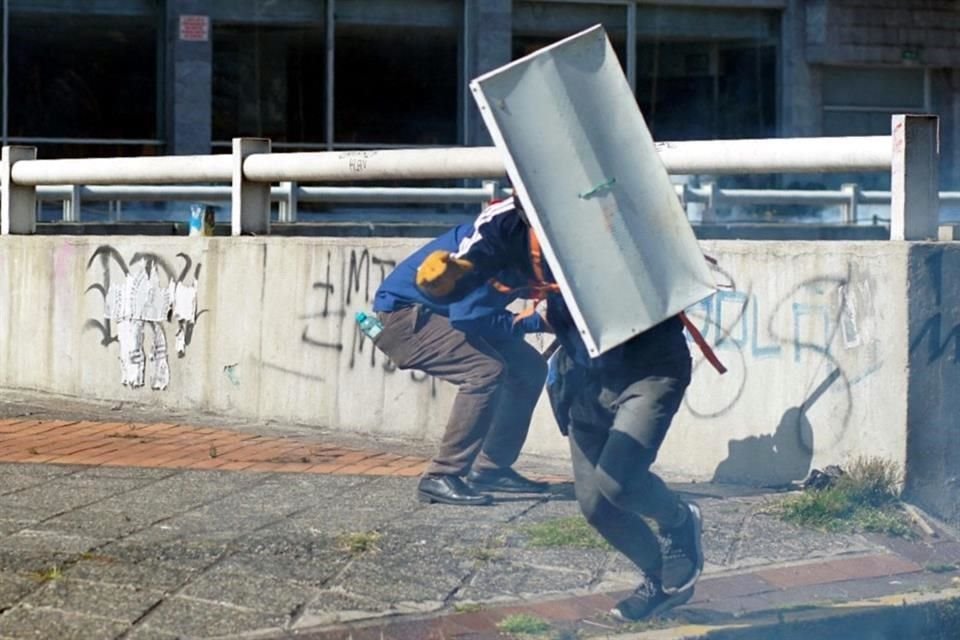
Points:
[18,203]
[250,201]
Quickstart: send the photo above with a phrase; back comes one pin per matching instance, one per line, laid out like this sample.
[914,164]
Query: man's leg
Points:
[644,411]
[417,339]
[625,530]
[523,380]
[615,485]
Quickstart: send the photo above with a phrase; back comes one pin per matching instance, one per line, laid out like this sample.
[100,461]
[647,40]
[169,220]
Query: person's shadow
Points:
[779,459]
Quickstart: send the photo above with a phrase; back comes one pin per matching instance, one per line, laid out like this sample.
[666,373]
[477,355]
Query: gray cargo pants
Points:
[499,383]
[616,422]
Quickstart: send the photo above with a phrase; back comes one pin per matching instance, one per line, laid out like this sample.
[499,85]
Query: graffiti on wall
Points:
[827,320]
[346,283]
[823,337]
[935,335]
[137,306]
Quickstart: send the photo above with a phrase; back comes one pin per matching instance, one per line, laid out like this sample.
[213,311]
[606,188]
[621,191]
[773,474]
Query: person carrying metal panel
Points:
[460,331]
[616,410]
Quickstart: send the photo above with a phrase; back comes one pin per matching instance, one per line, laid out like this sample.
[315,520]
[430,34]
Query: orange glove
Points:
[438,274]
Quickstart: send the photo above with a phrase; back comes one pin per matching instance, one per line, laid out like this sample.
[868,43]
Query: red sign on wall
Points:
[195,28]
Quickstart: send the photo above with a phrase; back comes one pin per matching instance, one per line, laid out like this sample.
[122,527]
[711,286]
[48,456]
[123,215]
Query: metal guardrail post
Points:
[287,207]
[852,191]
[709,215]
[493,188]
[18,204]
[250,201]
[914,195]
[71,205]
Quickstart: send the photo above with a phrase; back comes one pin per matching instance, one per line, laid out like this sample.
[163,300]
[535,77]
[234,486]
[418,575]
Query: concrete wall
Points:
[933,440]
[827,359]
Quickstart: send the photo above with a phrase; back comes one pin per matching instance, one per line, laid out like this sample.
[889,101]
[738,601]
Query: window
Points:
[84,76]
[860,101]
[268,81]
[396,85]
[538,24]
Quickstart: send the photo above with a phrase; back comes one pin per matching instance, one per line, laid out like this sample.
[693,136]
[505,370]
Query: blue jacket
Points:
[475,306]
[501,240]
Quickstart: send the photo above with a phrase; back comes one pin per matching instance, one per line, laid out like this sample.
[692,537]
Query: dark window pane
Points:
[539,24]
[707,90]
[746,84]
[81,76]
[396,85]
[863,87]
[856,123]
[268,82]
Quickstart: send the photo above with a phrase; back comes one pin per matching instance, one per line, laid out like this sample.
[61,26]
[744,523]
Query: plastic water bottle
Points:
[369,324]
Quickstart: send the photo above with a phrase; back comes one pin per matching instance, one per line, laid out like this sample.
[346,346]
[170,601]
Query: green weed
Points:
[564,532]
[942,568]
[866,498]
[522,623]
[359,543]
[48,575]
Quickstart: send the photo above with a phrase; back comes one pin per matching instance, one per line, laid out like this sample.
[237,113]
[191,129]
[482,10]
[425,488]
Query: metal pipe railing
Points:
[111,171]
[777,155]
[181,193]
[910,153]
[787,155]
[389,164]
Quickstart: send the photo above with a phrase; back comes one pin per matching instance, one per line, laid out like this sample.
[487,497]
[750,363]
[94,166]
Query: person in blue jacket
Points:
[465,335]
[615,409]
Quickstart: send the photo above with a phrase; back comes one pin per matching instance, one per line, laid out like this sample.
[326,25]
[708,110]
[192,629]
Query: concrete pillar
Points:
[800,104]
[933,404]
[250,201]
[189,77]
[18,204]
[488,45]
[914,182]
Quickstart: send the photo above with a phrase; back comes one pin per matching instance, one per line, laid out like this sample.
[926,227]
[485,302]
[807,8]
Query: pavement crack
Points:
[737,540]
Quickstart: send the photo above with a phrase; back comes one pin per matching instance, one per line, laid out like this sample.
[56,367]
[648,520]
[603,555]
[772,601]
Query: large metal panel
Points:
[586,170]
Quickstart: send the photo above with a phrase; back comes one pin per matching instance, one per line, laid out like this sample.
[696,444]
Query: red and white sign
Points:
[195,28]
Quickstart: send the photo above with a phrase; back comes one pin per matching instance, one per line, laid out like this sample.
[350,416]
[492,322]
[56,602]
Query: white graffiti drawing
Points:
[141,302]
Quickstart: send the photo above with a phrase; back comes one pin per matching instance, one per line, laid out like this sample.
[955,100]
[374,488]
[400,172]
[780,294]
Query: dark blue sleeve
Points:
[498,240]
[496,326]
[483,312]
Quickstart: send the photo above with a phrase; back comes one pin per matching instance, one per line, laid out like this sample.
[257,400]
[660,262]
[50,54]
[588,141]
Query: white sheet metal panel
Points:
[586,170]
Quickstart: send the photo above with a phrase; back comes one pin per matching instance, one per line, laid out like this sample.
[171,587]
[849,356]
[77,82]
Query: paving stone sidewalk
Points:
[163,530]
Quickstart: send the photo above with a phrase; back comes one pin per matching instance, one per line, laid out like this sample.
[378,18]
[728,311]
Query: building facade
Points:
[137,77]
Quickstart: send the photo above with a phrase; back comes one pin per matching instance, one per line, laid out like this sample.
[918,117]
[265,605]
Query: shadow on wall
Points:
[781,458]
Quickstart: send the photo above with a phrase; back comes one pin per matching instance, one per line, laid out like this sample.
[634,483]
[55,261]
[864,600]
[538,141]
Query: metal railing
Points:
[849,197]
[288,195]
[910,153]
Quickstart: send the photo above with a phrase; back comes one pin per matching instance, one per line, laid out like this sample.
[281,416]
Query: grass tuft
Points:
[942,568]
[522,623]
[48,575]
[866,498]
[359,543]
[564,532]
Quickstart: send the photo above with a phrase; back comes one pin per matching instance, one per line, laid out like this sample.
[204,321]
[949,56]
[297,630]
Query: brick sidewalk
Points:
[177,446]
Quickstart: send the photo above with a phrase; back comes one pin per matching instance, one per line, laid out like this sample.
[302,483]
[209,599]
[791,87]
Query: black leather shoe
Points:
[449,490]
[506,480]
